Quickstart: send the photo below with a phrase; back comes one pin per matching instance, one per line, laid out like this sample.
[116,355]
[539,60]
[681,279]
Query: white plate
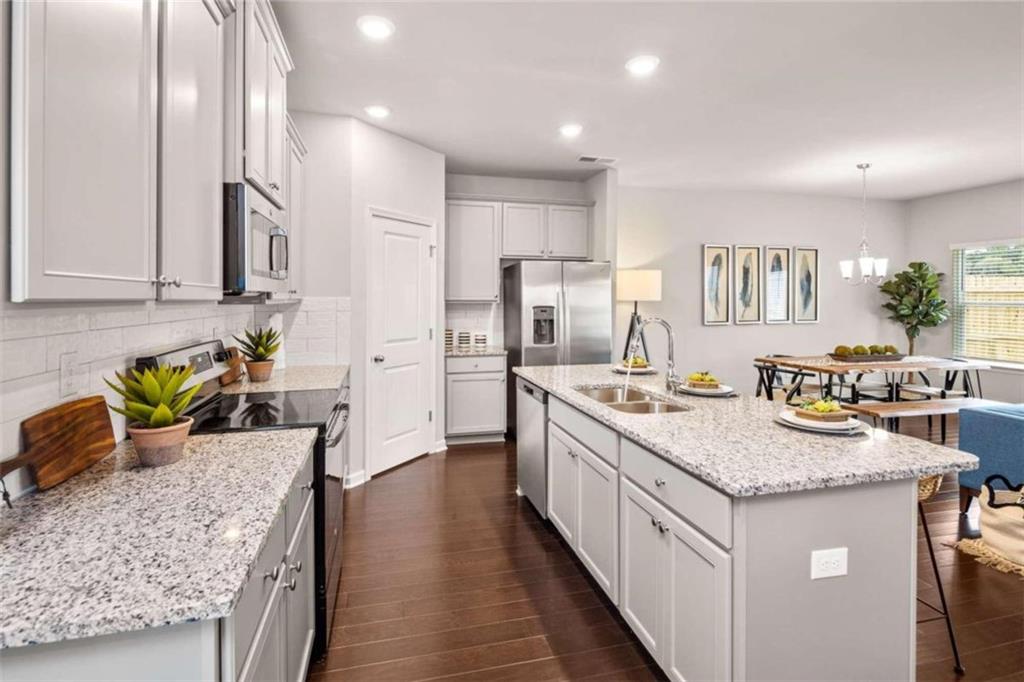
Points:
[721,390]
[851,424]
[863,428]
[637,371]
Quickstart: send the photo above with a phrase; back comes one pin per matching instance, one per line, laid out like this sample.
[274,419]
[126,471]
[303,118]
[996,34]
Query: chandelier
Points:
[872,270]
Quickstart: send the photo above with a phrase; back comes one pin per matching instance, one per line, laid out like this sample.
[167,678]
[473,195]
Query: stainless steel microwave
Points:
[255,243]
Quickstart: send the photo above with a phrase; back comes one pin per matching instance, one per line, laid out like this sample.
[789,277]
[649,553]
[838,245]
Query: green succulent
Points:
[261,344]
[152,398]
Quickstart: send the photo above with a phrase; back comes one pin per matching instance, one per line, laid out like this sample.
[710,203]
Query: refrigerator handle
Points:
[566,335]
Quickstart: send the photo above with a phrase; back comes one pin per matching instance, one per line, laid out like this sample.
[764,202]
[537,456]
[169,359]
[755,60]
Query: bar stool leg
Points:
[958,667]
[942,428]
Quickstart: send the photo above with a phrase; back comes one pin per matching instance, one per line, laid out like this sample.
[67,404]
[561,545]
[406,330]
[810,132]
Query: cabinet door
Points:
[563,479]
[294,215]
[276,135]
[266,660]
[597,510]
[259,49]
[698,606]
[472,265]
[299,598]
[568,232]
[83,150]
[523,230]
[475,403]
[191,163]
[642,551]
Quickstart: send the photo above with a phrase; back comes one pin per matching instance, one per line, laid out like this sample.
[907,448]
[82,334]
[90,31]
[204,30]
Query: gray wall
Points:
[664,229]
[981,214]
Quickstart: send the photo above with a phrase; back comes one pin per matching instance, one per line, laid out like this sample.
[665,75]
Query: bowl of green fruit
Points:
[861,353]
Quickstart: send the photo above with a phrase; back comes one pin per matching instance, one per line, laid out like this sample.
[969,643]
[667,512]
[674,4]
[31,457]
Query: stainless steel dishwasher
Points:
[532,445]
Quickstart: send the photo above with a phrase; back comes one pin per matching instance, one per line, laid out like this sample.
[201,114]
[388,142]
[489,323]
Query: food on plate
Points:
[821,406]
[636,362]
[827,410]
[702,380]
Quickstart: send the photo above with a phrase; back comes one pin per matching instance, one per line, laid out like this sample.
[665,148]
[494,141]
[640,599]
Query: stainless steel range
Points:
[325,410]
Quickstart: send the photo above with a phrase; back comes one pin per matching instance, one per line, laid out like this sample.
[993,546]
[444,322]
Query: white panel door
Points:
[562,483]
[698,618]
[597,536]
[259,49]
[642,558]
[523,228]
[295,214]
[191,137]
[400,314]
[472,264]
[568,232]
[475,403]
[277,76]
[83,150]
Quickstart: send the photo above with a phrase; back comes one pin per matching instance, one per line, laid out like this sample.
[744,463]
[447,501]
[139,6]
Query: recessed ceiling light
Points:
[375,28]
[377,111]
[570,130]
[643,65]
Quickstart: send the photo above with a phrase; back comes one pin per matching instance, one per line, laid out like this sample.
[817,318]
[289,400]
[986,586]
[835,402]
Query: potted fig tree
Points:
[915,301]
[153,403]
[258,348]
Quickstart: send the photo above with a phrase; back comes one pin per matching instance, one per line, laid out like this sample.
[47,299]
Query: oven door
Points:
[335,470]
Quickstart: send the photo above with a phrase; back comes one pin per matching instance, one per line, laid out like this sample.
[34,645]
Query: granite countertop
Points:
[735,445]
[120,547]
[474,352]
[299,378]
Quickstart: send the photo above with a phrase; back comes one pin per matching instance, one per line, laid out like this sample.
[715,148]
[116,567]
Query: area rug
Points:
[983,554]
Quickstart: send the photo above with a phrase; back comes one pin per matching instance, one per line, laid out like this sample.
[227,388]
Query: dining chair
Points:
[771,378]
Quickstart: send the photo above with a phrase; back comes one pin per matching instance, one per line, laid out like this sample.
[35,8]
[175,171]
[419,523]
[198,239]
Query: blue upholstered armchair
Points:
[996,435]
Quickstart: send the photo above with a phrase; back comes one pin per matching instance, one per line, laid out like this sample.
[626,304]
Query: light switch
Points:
[68,374]
[828,563]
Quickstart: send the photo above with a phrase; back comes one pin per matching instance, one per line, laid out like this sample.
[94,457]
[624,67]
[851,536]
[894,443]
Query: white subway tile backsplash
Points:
[90,345]
[21,358]
[107,319]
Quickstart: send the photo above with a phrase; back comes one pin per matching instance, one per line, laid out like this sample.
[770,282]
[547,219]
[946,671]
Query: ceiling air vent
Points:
[602,160]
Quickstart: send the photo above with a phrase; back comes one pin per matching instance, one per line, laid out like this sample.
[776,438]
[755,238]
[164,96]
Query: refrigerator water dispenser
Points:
[543,325]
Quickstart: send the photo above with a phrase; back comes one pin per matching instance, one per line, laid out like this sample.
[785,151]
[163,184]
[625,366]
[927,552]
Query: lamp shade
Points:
[638,285]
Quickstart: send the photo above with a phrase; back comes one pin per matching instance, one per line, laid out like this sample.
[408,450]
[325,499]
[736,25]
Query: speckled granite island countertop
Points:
[300,378]
[735,445]
[475,352]
[120,547]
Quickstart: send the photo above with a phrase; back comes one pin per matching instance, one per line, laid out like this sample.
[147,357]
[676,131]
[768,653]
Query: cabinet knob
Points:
[378,358]
[659,481]
[292,584]
[306,486]
[274,574]
[274,185]
[654,522]
[662,527]
[297,567]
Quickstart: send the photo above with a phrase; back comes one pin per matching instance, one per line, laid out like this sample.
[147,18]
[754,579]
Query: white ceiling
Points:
[778,97]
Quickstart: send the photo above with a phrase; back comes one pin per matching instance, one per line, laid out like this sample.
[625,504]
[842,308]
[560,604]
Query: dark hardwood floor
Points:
[448,574]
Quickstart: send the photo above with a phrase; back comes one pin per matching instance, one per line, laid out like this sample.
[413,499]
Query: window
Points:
[988,302]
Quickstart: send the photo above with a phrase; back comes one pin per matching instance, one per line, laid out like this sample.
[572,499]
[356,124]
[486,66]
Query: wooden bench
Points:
[891,413]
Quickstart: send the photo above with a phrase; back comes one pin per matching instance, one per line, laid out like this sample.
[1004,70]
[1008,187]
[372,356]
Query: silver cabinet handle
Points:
[297,567]
[165,281]
[378,358]
[306,486]
[274,185]
[654,522]
[274,574]
[659,481]
[292,584]
[662,527]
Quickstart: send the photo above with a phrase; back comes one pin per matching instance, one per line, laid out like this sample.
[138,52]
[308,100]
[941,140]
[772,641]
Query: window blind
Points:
[988,302]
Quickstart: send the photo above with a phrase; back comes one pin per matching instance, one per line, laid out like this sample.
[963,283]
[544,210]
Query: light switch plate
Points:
[68,374]
[828,563]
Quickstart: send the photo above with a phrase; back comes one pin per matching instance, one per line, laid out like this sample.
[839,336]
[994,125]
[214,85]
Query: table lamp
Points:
[636,286]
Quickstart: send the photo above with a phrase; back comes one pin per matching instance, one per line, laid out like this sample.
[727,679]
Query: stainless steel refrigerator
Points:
[556,313]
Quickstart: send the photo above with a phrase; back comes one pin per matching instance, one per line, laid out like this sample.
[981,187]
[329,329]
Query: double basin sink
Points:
[631,400]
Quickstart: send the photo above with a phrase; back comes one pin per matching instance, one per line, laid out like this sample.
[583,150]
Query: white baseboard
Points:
[356,479]
[469,440]
[439,446]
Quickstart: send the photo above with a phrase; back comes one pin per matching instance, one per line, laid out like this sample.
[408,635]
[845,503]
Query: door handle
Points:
[378,358]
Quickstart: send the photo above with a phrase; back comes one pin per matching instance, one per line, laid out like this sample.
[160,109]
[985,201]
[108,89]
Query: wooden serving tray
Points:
[840,416]
[884,357]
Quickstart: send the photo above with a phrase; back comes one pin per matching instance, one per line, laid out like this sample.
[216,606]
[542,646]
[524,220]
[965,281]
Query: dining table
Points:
[835,374]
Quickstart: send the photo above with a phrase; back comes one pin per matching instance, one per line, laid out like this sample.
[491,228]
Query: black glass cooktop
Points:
[274,410]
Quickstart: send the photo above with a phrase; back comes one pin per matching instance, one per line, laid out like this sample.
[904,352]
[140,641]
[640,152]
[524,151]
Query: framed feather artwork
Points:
[717,289]
[747,276]
[805,284]
[777,291]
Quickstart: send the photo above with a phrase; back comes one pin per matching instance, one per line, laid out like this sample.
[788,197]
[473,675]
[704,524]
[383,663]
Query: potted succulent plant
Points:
[258,348]
[153,403]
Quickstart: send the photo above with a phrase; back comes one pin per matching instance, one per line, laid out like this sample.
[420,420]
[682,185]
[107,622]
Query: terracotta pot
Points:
[157,447]
[259,371]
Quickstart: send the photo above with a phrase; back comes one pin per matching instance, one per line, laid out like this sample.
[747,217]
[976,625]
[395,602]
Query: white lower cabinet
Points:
[475,396]
[583,506]
[676,588]
[267,658]
[299,598]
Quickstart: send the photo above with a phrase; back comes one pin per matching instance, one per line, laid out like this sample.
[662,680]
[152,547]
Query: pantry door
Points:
[400,316]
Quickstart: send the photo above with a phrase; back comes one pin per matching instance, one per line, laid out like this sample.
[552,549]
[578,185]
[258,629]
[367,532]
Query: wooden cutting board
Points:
[63,441]
[234,362]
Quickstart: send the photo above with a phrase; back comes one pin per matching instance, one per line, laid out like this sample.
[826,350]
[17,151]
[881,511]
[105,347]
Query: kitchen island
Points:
[735,547]
[187,571]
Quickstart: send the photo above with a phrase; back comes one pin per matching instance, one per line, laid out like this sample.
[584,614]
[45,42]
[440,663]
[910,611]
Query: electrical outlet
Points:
[828,563]
[68,374]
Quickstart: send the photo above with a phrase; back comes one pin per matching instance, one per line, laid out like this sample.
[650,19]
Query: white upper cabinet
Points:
[191,132]
[524,231]
[83,150]
[294,215]
[568,233]
[266,67]
[472,266]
